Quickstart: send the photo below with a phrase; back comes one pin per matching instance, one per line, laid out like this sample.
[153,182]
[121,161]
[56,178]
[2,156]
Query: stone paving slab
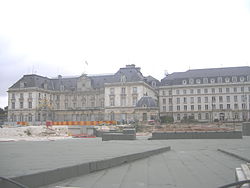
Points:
[21,158]
[190,163]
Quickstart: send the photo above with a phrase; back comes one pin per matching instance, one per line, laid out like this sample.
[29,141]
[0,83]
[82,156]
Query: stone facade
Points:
[85,98]
[205,95]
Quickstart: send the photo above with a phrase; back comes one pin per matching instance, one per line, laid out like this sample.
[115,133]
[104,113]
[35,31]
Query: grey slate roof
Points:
[177,77]
[146,101]
[130,72]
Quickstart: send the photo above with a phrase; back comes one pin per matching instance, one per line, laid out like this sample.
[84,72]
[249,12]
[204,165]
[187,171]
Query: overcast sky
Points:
[56,37]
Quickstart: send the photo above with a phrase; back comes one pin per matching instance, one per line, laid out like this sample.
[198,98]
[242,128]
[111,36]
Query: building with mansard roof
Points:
[35,98]
[206,95]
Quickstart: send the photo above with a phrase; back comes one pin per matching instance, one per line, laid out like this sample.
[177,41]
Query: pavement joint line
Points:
[53,176]
[234,155]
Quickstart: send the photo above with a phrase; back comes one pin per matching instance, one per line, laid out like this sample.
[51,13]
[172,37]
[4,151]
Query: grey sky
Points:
[54,37]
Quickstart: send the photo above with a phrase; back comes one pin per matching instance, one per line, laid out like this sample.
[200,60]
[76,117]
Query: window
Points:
[112,91]
[123,90]
[30,95]
[134,100]
[227,79]
[206,107]
[164,108]
[198,91]
[58,97]
[235,98]
[198,81]
[192,99]
[112,101]
[163,93]
[30,104]
[177,92]
[178,100]
[205,80]
[207,116]
[220,99]
[243,105]
[234,79]
[213,99]
[170,92]
[212,80]
[21,95]
[235,89]
[184,91]
[205,91]
[213,90]
[219,79]
[199,116]
[123,101]
[178,108]
[170,101]
[21,104]
[191,81]
[228,106]
[192,107]
[206,99]
[66,105]
[178,117]
[236,106]
[13,105]
[134,89]
[185,107]
[220,90]
[227,90]
[243,98]
[242,89]
[199,99]
[228,98]
[242,79]
[58,105]
[164,101]
[199,107]
[184,100]
[170,108]
[13,96]
[213,106]
[30,117]
[191,91]
[184,82]
[221,106]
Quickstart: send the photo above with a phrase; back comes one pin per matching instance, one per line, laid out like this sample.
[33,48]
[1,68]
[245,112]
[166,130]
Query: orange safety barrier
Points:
[83,122]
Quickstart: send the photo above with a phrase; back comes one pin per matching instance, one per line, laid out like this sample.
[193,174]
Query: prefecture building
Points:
[124,96]
[207,95]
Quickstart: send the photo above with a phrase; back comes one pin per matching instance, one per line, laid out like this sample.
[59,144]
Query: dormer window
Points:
[212,80]
[191,81]
[227,79]
[153,83]
[123,78]
[205,80]
[242,79]
[184,82]
[198,81]
[22,84]
[234,79]
[219,79]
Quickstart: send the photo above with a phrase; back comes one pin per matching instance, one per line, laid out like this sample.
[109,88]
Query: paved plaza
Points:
[190,163]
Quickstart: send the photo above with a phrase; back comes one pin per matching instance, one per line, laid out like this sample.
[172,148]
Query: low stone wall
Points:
[118,136]
[246,129]
[197,135]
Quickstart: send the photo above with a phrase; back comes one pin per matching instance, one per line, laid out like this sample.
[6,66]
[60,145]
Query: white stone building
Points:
[36,98]
[208,95]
